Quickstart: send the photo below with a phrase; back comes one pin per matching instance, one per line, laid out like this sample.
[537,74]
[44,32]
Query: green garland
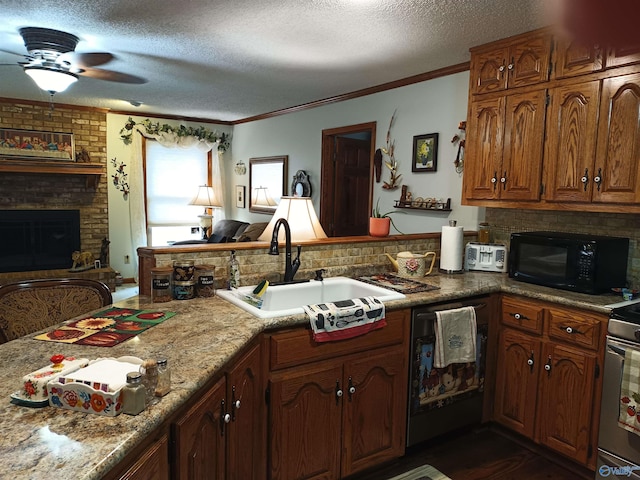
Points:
[155,128]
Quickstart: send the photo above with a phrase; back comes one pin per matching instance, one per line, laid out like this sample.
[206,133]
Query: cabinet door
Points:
[199,436]
[488,71]
[571,143]
[375,405]
[619,56]
[245,438]
[153,464]
[618,151]
[521,173]
[566,400]
[483,156]
[573,58]
[517,381]
[305,418]
[529,61]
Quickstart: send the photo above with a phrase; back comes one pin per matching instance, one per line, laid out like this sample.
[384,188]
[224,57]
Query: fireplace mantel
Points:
[92,171]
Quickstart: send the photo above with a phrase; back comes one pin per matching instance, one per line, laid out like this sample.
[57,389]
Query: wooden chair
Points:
[30,306]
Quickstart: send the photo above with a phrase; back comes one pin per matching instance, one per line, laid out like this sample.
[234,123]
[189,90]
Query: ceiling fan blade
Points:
[112,76]
[84,60]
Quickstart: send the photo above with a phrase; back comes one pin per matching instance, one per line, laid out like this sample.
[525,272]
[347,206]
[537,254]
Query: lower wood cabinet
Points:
[220,436]
[547,381]
[338,414]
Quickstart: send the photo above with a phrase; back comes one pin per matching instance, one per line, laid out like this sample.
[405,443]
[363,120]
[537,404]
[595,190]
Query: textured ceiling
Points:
[228,60]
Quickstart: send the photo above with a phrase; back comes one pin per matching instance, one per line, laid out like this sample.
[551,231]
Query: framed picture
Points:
[37,145]
[425,153]
[240,196]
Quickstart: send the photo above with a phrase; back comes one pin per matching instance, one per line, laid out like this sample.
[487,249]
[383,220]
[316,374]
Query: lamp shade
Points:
[261,198]
[206,197]
[53,81]
[301,217]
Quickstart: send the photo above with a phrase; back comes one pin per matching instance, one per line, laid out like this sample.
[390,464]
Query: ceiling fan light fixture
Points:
[53,81]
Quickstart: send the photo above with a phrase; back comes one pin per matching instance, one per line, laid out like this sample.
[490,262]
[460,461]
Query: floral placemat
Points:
[393,282]
[106,328]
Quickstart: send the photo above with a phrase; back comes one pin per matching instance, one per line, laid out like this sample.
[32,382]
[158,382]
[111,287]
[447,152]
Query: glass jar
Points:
[483,232]
[133,394]
[161,284]
[149,371]
[184,290]
[205,280]
[164,378]
[183,270]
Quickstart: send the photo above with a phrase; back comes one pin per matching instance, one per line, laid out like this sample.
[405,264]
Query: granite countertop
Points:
[204,334]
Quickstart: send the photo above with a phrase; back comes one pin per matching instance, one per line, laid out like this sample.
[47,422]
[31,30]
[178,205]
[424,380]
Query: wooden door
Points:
[305,418]
[153,463]
[245,438]
[521,173]
[199,436]
[518,366]
[489,71]
[618,150]
[566,399]
[573,58]
[529,61]
[352,180]
[571,143]
[375,405]
[483,156]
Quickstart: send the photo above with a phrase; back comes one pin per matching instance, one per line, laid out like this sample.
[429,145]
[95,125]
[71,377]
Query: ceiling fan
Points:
[54,65]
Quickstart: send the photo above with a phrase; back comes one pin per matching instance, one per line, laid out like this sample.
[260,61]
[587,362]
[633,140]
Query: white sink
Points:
[283,300]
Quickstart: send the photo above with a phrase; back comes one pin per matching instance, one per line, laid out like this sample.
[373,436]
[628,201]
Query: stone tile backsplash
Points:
[504,221]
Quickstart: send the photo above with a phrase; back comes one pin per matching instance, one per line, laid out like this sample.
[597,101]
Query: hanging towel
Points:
[455,336]
[345,319]
[630,392]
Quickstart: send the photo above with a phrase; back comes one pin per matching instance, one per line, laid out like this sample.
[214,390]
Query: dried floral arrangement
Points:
[391,163]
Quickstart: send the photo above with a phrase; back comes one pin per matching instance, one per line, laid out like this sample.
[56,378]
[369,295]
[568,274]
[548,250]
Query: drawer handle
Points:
[519,316]
[570,330]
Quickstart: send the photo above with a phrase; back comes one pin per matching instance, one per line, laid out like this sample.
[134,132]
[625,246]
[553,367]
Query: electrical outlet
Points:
[195,229]
[126,259]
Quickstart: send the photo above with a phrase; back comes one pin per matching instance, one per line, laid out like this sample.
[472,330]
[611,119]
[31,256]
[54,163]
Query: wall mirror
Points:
[267,183]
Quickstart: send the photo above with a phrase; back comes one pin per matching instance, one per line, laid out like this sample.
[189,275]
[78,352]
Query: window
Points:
[172,177]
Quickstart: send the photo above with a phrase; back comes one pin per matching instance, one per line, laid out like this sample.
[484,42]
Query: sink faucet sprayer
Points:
[290,268]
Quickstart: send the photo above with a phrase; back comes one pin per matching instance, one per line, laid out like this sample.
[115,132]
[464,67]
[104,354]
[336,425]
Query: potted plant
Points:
[380,223]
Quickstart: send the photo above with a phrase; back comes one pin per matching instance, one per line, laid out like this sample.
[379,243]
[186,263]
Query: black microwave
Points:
[569,261]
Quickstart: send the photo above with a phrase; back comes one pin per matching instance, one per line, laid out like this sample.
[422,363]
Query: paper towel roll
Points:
[451,249]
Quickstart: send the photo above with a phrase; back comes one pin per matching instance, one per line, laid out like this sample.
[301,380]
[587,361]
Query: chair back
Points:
[33,305]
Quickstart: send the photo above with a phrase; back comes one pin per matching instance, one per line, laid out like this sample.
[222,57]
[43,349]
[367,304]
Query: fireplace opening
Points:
[38,239]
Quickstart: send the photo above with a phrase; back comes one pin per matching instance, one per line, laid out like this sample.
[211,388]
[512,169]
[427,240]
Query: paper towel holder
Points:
[452,223]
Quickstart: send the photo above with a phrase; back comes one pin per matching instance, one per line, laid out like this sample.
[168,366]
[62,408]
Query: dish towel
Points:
[455,336]
[345,319]
[630,392]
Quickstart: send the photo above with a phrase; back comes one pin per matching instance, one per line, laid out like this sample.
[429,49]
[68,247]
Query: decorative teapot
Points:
[412,265]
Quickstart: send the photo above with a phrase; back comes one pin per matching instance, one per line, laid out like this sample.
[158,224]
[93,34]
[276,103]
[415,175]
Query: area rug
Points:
[425,472]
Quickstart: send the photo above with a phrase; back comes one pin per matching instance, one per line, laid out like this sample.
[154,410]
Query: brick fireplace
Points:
[35,190]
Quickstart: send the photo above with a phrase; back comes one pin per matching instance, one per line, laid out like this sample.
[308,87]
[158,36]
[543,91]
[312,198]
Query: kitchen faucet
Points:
[290,268]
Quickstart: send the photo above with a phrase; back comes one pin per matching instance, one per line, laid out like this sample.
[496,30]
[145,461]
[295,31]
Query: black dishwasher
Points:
[444,399]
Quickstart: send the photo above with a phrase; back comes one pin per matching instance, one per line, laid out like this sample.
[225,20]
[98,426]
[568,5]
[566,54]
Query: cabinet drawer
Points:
[295,347]
[522,314]
[575,326]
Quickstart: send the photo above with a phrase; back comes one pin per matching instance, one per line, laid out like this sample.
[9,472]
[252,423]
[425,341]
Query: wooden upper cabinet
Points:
[571,142]
[521,172]
[617,57]
[572,58]
[618,152]
[485,131]
[508,64]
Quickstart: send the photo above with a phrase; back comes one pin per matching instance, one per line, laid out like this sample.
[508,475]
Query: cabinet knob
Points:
[339,392]
[226,418]
[598,178]
[237,404]
[501,68]
[517,316]
[510,66]
[547,366]
[531,362]
[352,388]
[569,330]
[585,179]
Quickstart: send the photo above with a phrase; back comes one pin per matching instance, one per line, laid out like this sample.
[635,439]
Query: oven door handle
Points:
[617,350]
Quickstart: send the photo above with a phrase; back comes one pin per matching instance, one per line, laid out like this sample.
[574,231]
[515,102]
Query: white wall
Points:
[119,218]
[434,106]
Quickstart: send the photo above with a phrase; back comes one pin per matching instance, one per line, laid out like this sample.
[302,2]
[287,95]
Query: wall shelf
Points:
[433,207]
[92,171]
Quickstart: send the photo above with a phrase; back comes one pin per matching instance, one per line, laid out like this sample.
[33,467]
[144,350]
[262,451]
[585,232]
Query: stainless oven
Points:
[618,449]
[442,400]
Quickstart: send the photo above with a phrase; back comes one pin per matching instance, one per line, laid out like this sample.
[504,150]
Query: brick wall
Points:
[34,191]
[505,221]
